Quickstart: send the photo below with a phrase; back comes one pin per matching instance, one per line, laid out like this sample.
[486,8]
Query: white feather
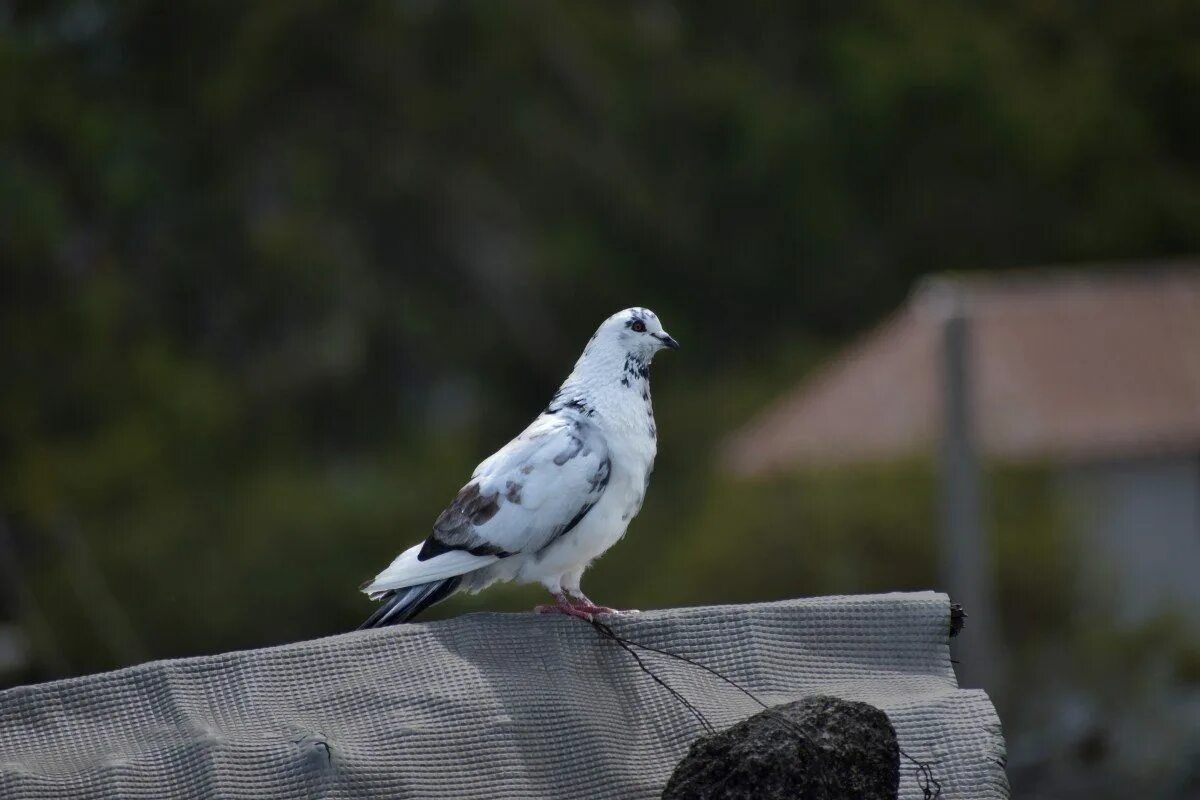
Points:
[406,570]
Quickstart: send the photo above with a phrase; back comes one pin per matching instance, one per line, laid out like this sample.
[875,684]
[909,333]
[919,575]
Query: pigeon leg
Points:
[582,602]
[563,606]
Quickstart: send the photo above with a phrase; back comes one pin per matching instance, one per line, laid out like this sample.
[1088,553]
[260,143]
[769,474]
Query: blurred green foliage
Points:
[276,275]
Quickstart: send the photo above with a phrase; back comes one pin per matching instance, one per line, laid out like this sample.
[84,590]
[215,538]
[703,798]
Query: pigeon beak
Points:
[667,340]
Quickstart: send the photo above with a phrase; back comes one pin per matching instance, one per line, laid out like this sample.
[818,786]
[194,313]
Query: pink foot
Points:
[583,603]
[588,608]
[563,606]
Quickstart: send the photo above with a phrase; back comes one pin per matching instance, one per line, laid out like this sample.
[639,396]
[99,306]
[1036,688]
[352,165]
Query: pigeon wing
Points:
[533,490]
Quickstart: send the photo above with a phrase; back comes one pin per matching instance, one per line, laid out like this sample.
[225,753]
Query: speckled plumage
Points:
[552,500]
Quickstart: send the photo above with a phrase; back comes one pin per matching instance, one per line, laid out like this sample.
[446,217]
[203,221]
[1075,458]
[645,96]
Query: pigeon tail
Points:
[401,605]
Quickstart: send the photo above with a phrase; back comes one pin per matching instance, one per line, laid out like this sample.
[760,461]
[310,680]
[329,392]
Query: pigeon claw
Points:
[581,607]
[588,608]
[574,612]
[563,606]
[584,603]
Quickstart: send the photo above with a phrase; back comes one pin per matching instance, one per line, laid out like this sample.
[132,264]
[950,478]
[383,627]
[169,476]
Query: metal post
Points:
[966,559]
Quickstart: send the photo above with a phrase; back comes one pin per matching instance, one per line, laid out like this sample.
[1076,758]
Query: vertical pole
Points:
[966,561]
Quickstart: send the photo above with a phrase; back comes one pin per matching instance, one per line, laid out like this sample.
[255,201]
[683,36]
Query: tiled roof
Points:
[1066,365]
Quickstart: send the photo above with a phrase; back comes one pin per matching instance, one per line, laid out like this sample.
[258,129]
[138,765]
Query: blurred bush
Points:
[277,275]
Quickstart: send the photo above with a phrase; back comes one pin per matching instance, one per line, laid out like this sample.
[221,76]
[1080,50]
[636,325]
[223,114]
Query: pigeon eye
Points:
[639,326]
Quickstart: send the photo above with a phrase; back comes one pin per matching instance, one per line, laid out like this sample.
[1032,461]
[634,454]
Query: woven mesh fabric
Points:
[493,706]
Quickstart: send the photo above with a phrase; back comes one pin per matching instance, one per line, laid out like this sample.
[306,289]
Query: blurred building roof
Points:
[1066,365]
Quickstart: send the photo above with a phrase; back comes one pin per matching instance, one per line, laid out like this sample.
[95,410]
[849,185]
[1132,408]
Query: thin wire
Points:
[931,788]
[924,775]
[607,631]
[626,646]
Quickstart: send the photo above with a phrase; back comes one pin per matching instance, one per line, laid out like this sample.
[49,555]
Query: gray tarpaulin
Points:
[493,706]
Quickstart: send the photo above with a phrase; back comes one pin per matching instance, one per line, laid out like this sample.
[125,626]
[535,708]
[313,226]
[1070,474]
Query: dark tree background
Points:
[277,275]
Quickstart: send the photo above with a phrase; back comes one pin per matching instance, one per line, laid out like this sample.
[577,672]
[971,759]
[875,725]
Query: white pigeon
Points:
[552,500]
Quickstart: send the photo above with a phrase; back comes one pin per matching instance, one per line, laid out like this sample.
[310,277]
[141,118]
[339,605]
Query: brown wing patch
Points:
[454,528]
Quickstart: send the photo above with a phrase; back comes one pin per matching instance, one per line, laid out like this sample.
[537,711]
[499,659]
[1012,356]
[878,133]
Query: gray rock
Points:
[819,748]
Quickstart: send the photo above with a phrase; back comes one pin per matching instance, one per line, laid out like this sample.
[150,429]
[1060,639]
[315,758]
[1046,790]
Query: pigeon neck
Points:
[604,382]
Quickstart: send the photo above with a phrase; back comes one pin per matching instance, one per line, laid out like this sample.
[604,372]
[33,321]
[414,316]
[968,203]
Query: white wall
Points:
[1139,534]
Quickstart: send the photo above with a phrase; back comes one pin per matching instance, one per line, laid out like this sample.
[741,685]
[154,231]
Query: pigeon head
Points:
[636,331]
